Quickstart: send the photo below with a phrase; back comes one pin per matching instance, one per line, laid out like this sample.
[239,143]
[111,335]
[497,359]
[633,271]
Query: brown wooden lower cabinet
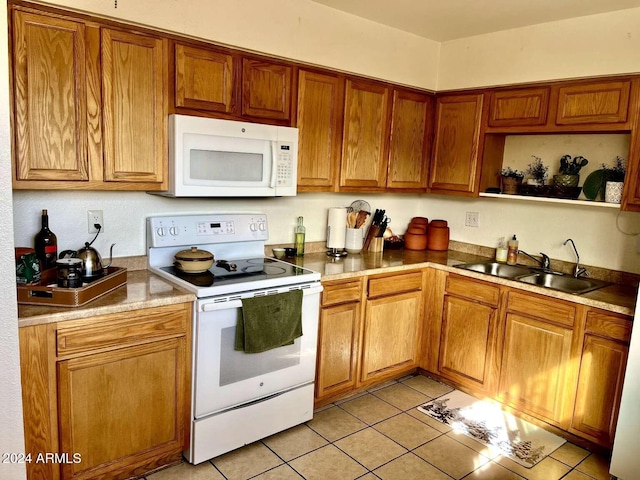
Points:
[469,332]
[602,367]
[369,336]
[111,393]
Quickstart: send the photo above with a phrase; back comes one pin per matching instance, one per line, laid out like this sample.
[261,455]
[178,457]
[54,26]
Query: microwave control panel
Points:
[285,171]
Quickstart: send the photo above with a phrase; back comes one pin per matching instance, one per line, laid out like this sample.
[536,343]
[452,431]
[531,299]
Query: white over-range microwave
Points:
[223,158]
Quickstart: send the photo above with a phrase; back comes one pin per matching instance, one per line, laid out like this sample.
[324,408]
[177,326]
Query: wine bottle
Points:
[299,242]
[46,244]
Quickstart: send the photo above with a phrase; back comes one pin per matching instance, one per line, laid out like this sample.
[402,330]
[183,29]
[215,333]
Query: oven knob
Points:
[161,232]
[262,227]
[253,227]
[262,384]
[174,231]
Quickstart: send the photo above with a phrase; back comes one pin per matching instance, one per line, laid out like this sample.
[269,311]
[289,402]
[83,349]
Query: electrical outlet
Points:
[472,219]
[93,217]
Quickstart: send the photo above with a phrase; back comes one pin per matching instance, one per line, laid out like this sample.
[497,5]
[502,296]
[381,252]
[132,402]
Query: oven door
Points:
[226,378]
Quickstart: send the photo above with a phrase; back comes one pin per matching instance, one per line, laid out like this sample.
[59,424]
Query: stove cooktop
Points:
[241,271]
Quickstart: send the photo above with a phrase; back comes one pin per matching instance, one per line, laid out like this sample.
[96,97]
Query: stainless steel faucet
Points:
[545,262]
[577,270]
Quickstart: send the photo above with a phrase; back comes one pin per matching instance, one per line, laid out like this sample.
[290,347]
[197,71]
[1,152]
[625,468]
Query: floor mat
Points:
[484,421]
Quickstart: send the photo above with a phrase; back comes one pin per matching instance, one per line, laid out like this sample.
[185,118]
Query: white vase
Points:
[613,192]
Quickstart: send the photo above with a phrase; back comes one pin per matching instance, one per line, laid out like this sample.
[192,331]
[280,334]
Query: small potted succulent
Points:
[613,179]
[510,179]
[569,171]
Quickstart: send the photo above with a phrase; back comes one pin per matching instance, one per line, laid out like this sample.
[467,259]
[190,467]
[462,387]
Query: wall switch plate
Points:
[472,219]
[93,217]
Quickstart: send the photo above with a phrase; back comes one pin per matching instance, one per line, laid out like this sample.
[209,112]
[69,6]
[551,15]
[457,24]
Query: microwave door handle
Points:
[274,161]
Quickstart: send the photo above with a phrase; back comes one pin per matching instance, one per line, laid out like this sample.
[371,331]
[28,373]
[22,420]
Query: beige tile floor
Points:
[380,435]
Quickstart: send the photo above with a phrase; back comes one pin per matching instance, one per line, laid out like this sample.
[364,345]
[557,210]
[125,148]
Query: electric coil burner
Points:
[238,398]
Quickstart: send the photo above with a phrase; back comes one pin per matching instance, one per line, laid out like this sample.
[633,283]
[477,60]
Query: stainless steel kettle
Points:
[92,267]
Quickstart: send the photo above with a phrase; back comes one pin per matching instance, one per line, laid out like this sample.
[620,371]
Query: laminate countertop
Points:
[145,289]
[142,290]
[617,297]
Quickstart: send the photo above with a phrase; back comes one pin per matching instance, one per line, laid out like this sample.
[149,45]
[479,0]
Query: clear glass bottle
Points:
[46,244]
[299,241]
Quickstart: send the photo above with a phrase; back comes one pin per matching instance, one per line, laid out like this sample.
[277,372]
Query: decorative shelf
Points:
[566,201]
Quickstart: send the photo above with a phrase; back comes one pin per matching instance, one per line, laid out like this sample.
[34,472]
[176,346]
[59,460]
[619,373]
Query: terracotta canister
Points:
[415,241]
[438,235]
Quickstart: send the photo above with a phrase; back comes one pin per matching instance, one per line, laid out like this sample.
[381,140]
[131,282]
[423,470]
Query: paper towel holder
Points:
[334,251]
[336,230]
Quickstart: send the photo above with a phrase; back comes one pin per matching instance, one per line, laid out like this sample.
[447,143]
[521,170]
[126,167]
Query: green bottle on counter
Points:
[299,241]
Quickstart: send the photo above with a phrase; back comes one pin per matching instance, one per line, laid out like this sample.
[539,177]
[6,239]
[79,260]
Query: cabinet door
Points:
[204,79]
[454,167]
[411,125]
[320,103]
[534,376]
[337,349]
[467,344]
[391,335]
[266,90]
[134,108]
[122,408]
[521,107]
[599,389]
[364,142]
[49,92]
[600,102]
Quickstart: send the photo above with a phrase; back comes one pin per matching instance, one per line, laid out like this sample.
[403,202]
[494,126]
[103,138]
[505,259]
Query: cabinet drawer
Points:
[473,290]
[341,292]
[391,284]
[544,308]
[610,325]
[122,329]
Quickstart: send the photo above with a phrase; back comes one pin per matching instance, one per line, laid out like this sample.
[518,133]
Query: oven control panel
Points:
[207,228]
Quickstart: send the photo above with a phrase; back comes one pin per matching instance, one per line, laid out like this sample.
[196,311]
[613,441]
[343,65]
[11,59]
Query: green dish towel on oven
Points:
[269,322]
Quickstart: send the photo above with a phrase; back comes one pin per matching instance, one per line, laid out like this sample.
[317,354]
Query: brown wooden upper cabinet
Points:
[266,90]
[593,103]
[524,106]
[319,120]
[204,79]
[134,106]
[364,144]
[455,164]
[571,106]
[49,91]
[411,133]
[386,139]
[90,105]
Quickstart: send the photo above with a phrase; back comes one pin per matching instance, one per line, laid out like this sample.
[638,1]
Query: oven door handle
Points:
[210,307]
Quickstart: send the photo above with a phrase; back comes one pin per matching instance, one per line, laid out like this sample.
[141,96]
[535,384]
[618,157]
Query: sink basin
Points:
[496,269]
[535,276]
[563,283]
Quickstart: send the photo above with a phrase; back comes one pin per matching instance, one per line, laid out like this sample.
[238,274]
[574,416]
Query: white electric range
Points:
[237,398]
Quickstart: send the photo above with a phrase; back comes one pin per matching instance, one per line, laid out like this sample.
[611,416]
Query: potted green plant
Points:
[569,171]
[537,170]
[510,179]
[613,180]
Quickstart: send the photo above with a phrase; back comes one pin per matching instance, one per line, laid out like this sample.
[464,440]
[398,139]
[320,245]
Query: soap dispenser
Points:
[512,251]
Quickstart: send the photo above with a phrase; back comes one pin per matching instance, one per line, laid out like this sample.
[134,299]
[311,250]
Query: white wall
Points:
[11,433]
[297,29]
[586,46]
